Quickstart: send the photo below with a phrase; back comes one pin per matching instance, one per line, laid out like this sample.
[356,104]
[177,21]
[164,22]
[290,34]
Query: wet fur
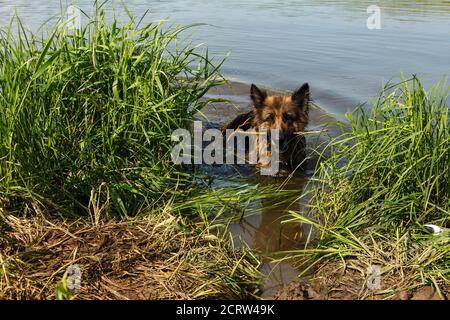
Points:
[289,114]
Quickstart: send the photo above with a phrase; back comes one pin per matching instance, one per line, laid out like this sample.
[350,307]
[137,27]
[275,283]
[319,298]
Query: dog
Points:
[288,114]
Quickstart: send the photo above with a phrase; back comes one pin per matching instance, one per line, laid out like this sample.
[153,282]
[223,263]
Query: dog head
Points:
[288,114]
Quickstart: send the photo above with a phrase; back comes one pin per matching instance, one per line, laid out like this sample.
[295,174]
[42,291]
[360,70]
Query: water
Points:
[280,45]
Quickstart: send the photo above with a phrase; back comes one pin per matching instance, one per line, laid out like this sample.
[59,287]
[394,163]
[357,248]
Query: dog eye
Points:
[288,117]
[269,118]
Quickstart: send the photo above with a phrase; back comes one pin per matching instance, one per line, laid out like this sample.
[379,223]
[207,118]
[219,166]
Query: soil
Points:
[332,282]
[156,257]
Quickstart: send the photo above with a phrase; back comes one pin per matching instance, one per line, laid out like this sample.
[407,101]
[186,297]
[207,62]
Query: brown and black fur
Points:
[287,113]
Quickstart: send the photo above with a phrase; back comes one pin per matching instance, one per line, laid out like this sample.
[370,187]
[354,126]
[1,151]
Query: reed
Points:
[86,118]
[87,115]
[386,178]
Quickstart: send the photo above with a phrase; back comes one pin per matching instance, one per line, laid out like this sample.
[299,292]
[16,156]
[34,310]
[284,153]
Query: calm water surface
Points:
[280,45]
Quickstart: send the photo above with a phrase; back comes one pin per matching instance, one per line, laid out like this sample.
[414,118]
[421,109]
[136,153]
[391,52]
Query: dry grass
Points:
[153,258]
[402,275]
[347,281]
[402,266]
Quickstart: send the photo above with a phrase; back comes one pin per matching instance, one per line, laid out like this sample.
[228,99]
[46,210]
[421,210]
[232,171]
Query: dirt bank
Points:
[158,257]
[338,282]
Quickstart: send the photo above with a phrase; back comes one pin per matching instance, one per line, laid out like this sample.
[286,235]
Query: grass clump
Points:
[86,119]
[87,115]
[385,179]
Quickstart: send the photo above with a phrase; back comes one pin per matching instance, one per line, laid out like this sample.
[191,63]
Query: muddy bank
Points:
[336,282]
[127,259]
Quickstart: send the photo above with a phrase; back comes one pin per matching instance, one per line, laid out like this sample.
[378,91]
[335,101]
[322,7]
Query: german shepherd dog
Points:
[288,113]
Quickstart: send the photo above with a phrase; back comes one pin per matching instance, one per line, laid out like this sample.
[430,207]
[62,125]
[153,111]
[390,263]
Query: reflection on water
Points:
[265,234]
[397,8]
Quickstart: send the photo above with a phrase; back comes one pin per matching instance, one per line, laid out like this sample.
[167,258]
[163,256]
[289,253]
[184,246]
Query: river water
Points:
[281,44]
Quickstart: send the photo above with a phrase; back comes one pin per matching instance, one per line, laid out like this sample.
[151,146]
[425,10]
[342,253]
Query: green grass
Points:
[385,179]
[89,114]
[86,119]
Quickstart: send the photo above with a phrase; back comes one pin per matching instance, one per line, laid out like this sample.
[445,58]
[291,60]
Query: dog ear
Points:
[301,96]
[258,96]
